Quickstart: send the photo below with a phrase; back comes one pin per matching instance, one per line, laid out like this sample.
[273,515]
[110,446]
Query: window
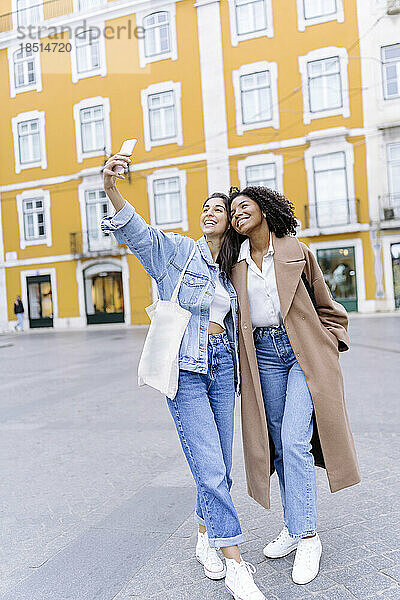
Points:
[162,114]
[393,161]
[84,5]
[97,207]
[331,195]
[262,169]
[92,126]
[256,96]
[324,86]
[325,83]
[88,56]
[313,12]
[250,19]
[29,142]
[159,41]
[319,8]
[24,69]
[28,12]
[391,71]
[167,195]
[33,209]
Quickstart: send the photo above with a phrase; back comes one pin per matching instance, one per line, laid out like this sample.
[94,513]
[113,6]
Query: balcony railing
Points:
[94,243]
[333,213]
[393,7]
[389,205]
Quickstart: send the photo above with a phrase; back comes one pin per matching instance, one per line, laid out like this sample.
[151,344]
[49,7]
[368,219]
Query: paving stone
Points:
[393,572]
[366,587]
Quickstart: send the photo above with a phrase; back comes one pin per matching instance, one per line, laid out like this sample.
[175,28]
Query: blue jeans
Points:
[203,411]
[289,411]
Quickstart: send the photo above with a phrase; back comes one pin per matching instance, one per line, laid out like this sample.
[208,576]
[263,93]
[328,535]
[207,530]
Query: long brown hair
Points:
[231,243]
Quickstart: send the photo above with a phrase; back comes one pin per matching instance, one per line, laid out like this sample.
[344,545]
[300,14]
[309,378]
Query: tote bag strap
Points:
[174,296]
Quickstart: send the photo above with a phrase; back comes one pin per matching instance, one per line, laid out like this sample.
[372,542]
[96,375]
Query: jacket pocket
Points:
[192,288]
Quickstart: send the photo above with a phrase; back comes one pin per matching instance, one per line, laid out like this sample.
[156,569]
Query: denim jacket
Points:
[164,256]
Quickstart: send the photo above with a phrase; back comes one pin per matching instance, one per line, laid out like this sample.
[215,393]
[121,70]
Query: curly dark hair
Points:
[278,211]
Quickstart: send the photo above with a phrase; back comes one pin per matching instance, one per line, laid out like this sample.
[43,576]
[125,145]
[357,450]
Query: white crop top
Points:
[220,305]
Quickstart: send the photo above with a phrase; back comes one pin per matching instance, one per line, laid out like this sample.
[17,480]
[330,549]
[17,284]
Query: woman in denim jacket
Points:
[203,408]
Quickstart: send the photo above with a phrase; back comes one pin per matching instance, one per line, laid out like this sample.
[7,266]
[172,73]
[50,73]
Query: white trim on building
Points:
[267,31]
[93,184]
[249,69]
[303,22]
[162,174]
[37,194]
[160,88]
[172,53]
[90,103]
[324,54]
[36,85]
[101,70]
[387,242]
[262,159]
[23,117]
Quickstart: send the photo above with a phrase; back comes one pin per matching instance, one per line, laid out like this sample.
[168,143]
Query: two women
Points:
[203,408]
[290,335]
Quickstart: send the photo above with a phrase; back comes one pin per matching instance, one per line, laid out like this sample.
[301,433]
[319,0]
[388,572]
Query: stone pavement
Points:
[97,500]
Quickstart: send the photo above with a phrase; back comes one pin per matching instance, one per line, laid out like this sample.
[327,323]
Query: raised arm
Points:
[154,248]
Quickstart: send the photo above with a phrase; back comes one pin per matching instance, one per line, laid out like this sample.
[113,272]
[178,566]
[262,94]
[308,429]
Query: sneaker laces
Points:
[283,534]
[248,569]
[304,552]
[212,556]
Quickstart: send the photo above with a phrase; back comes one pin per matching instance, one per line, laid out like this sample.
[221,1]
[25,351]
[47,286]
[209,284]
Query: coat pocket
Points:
[192,289]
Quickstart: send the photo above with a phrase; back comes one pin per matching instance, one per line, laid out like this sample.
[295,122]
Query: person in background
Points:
[19,313]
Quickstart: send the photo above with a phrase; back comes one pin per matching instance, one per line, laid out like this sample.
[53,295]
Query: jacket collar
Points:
[289,261]
[244,253]
[205,251]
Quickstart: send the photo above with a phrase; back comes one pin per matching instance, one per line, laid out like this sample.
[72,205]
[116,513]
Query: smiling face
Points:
[214,218]
[246,215]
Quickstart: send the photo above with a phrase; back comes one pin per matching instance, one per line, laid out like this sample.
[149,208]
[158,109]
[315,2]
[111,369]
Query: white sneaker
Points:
[306,563]
[214,568]
[281,546]
[239,581]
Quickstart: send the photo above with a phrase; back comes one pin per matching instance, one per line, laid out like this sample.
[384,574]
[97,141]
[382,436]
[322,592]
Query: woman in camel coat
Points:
[313,328]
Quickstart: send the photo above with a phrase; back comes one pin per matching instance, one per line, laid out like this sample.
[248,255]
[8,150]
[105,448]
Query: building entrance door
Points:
[40,302]
[104,296]
[339,268]
[395,253]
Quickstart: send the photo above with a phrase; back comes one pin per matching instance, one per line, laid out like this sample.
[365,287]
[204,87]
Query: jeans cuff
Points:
[222,542]
[198,519]
[302,535]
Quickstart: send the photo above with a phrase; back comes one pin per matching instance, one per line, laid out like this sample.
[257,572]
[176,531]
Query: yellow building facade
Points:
[219,93]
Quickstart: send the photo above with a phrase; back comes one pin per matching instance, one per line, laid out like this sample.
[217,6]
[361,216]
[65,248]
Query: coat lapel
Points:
[289,262]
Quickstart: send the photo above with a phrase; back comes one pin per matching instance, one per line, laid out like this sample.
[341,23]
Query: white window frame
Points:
[76,8]
[267,32]
[37,86]
[249,69]
[173,51]
[383,70]
[15,13]
[302,22]
[102,69]
[89,185]
[89,103]
[261,159]
[165,174]
[34,195]
[158,88]
[323,54]
[321,147]
[29,116]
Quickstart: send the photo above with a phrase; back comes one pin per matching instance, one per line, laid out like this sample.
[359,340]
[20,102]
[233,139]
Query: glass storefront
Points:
[40,302]
[395,253]
[104,296]
[339,269]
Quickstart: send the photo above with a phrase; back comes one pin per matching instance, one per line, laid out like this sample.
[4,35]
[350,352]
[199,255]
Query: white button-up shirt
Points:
[265,306]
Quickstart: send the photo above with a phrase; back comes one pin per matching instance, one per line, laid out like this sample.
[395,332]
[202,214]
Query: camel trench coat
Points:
[316,337]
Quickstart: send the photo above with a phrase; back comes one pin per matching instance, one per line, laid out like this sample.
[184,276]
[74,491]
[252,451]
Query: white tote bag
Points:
[159,362]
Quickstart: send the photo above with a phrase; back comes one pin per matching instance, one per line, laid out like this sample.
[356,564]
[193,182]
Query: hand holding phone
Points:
[127,150]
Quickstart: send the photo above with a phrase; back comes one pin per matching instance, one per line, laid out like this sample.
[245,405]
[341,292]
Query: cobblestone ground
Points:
[98,500]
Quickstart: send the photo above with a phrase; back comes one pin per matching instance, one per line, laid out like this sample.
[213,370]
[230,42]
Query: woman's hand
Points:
[109,176]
